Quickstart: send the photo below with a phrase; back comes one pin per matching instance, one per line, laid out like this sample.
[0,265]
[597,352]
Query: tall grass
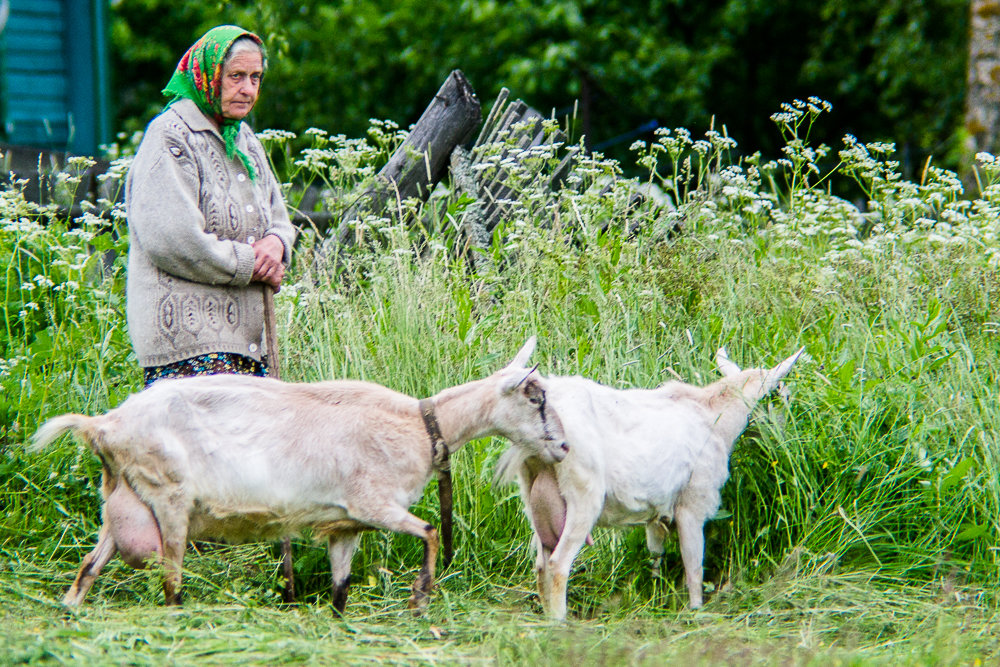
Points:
[877,487]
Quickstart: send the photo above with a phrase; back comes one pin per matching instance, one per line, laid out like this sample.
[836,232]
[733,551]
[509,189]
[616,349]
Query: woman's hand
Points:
[267,265]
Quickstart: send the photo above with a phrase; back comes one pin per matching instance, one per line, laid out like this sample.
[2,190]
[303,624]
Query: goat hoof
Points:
[417,603]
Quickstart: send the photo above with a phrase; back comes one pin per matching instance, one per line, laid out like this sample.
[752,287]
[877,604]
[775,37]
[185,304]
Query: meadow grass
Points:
[859,523]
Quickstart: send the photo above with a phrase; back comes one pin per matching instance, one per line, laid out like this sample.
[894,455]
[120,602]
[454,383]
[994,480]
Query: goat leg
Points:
[690,532]
[542,555]
[173,562]
[287,571]
[341,548]
[575,533]
[557,573]
[339,591]
[656,533]
[425,579]
[92,565]
[173,531]
[549,513]
[398,519]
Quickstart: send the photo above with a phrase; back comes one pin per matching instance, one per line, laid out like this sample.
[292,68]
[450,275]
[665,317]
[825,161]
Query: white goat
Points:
[244,459]
[647,456]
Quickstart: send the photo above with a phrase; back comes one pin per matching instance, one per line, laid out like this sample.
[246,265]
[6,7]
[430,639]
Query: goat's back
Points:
[240,445]
[619,420]
[641,446]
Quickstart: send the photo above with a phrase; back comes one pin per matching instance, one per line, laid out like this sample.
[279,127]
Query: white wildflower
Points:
[81,162]
[276,136]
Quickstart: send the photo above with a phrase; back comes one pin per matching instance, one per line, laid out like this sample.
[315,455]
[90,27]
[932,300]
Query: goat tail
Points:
[82,427]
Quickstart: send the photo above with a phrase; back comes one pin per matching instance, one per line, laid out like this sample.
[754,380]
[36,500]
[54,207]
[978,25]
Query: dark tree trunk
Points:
[982,109]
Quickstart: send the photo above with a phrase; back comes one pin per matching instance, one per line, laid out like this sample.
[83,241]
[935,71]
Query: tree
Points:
[982,109]
[893,69]
[148,38]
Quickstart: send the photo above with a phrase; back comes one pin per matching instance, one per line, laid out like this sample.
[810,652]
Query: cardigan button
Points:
[253,347]
[241,177]
[249,208]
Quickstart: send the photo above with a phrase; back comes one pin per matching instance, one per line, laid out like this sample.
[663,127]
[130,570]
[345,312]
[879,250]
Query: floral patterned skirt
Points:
[213,363]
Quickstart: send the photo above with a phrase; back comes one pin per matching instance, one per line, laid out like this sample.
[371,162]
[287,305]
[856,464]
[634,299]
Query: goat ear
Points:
[724,364]
[520,359]
[781,370]
[786,365]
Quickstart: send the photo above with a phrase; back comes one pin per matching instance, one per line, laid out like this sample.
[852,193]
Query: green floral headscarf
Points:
[198,77]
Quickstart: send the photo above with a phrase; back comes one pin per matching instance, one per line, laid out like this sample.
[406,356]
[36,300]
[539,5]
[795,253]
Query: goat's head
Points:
[736,394]
[759,382]
[523,414]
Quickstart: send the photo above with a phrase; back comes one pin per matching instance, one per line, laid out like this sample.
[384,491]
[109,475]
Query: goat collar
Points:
[439,448]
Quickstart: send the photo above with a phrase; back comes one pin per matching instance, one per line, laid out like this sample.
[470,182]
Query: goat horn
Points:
[533,369]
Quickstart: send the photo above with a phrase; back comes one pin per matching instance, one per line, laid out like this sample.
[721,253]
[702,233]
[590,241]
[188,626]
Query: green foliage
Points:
[856,515]
[887,55]
[148,38]
[894,70]
[824,619]
[62,323]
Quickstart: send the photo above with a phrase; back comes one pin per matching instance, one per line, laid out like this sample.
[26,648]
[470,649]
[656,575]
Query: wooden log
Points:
[476,237]
[491,119]
[562,171]
[521,128]
[420,163]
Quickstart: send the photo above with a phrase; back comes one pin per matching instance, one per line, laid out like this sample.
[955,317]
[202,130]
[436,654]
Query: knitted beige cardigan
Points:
[193,214]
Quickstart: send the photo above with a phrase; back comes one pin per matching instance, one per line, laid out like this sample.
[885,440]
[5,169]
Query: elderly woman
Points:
[208,227]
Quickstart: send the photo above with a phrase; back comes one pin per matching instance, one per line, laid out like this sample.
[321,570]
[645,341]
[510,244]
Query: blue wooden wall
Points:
[53,75]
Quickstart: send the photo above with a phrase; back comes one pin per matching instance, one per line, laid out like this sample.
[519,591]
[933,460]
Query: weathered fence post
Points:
[473,226]
[422,160]
[519,127]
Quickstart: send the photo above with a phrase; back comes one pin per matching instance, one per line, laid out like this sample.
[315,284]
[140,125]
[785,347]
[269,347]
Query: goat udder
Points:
[548,508]
[133,526]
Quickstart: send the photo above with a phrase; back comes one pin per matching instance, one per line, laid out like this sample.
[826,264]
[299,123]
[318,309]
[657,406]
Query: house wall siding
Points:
[52,75]
[36,104]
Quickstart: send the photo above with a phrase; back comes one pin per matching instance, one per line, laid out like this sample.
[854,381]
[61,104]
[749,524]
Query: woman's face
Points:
[241,84]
